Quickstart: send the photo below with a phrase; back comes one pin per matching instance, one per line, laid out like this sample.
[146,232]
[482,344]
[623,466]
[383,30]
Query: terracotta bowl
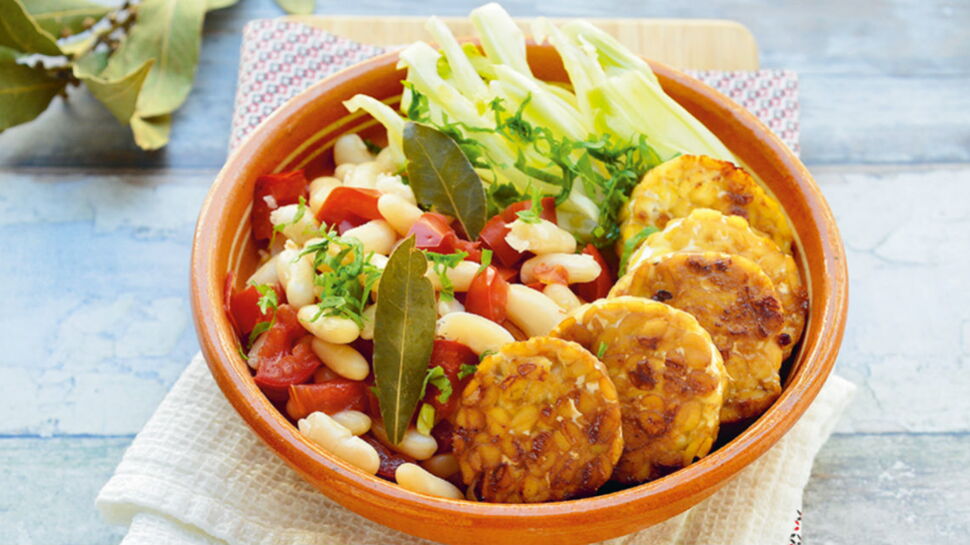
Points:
[300,134]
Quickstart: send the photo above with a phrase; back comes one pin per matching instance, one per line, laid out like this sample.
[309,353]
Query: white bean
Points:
[474,331]
[447,307]
[393,185]
[265,274]
[298,231]
[461,275]
[441,465]
[578,267]
[563,296]
[398,212]
[531,311]
[342,172]
[376,235]
[356,422]
[367,332]
[416,479]
[332,329]
[387,162]
[414,444]
[320,189]
[342,359]
[363,175]
[542,237]
[350,148]
[297,277]
[339,441]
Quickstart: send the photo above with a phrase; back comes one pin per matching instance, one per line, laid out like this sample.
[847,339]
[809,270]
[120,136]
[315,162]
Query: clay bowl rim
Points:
[218,342]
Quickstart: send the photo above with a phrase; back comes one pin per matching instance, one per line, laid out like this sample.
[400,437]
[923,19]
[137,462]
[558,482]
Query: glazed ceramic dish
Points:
[301,134]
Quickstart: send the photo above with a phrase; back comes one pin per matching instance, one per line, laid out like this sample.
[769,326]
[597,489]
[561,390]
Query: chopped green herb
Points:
[437,378]
[242,353]
[485,354]
[601,350]
[371,146]
[426,419]
[259,329]
[347,278]
[533,214]
[632,244]
[440,263]
[267,298]
[466,371]
[486,261]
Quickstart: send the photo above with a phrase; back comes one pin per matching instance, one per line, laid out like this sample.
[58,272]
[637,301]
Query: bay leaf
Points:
[403,336]
[169,31]
[20,32]
[218,4]
[443,178]
[118,95]
[151,133]
[25,91]
[65,17]
[297,7]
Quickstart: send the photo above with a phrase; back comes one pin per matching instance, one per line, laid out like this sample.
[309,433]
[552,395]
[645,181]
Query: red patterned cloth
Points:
[281,58]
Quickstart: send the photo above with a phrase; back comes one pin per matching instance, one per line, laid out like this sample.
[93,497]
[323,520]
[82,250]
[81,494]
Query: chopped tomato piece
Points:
[510,213]
[356,205]
[272,191]
[510,275]
[488,295]
[330,397]
[282,355]
[244,308]
[449,355]
[434,233]
[324,374]
[599,287]
[538,286]
[390,460]
[493,236]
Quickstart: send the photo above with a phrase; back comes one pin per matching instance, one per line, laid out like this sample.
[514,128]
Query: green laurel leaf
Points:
[65,17]
[20,32]
[118,95]
[25,91]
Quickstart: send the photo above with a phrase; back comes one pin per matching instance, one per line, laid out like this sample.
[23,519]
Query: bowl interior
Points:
[300,135]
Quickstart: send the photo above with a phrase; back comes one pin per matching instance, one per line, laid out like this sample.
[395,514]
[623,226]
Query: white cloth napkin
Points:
[197,475]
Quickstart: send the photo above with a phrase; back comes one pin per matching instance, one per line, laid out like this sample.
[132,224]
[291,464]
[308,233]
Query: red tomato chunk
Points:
[283,355]
[351,205]
[488,295]
[243,308]
[433,233]
[272,191]
[599,287]
[449,355]
[330,397]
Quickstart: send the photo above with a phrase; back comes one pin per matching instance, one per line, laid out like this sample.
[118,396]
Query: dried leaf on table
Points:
[218,4]
[404,336]
[25,91]
[66,17]
[169,31]
[297,7]
[118,95]
[20,33]
[151,133]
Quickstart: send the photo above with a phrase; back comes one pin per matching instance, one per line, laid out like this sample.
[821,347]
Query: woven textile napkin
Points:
[197,475]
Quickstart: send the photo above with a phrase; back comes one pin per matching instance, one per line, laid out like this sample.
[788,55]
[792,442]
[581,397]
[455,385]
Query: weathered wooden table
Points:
[95,324]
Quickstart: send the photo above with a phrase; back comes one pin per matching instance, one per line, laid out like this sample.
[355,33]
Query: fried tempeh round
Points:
[735,301]
[539,421]
[709,230]
[672,189]
[668,374]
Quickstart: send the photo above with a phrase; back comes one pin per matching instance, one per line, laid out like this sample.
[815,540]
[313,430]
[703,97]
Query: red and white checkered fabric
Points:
[281,58]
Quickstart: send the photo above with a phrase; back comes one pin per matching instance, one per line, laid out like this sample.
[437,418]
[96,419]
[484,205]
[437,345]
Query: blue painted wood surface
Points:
[96,235]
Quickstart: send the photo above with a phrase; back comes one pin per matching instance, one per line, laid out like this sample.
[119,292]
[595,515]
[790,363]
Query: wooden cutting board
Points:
[692,44]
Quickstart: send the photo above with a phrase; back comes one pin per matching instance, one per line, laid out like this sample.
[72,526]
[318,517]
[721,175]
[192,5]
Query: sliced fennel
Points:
[587,144]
